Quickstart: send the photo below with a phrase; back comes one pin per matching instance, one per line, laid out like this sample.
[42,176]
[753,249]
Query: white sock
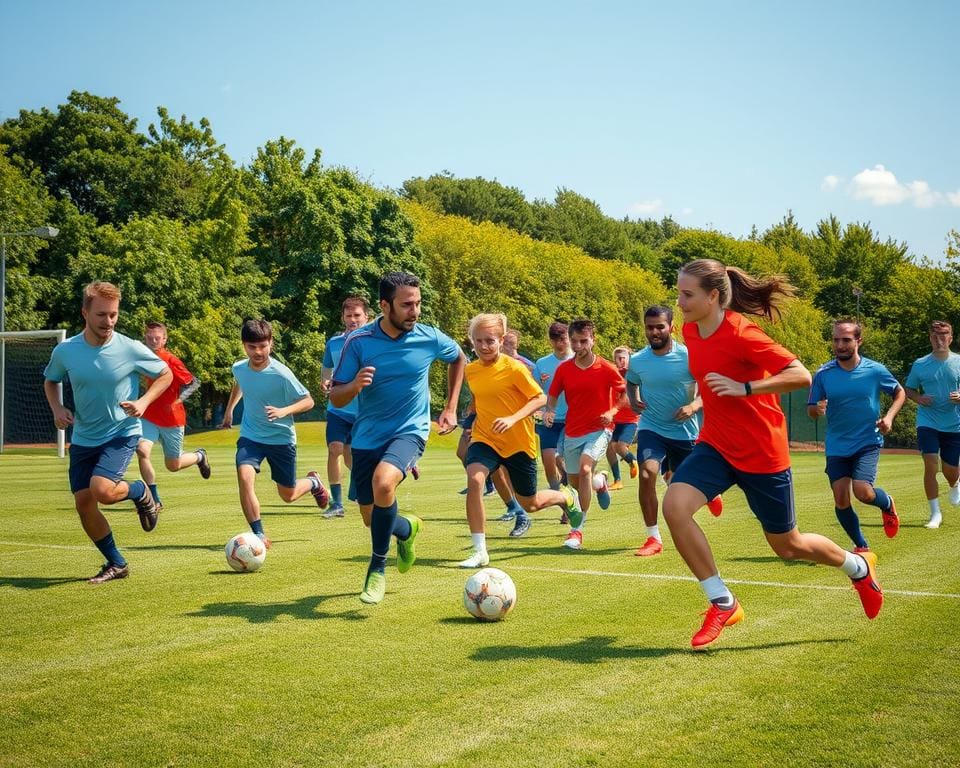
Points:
[654,531]
[934,506]
[479,541]
[854,565]
[715,589]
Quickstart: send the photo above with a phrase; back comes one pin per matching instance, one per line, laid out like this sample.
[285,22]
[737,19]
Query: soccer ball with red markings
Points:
[489,594]
[245,552]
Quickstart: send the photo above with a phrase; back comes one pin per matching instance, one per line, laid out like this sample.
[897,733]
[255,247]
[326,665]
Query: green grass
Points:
[186,663]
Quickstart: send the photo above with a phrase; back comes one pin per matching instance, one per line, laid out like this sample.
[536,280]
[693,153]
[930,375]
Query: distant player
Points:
[165,418]
[624,429]
[934,385]
[272,396]
[104,368]
[511,348]
[354,312]
[847,391]
[594,390]
[386,365]
[741,373]
[543,371]
[661,387]
[505,396]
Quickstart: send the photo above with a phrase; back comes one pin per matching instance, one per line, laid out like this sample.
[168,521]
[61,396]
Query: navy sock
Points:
[514,506]
[402,528]
[882,499]
[155,492]
[554,485]
[382,523]
[629,457]
[489,487]
[257,527]
[336,493]
[108,549]
[851,524]
[136,489]
[615,470]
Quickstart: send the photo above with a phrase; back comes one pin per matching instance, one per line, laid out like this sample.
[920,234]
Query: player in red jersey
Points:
[625,424]
[741,372]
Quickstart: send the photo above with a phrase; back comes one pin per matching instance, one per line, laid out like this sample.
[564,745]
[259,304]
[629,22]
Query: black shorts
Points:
[520,467]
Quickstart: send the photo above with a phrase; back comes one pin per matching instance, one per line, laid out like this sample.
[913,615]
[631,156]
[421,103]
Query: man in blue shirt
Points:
[934,384]
[386,365]
[550,437]
[662,390]
[355,313]
[847,391]
[104,368]
[272,395]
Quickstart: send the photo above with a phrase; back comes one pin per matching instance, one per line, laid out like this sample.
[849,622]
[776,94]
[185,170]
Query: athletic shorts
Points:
[624,433]
[862,465]
[402,452]
[281,458]
[521,468]
[947,444]
[109,460]
[593,444]
[467,421]
[770,495]
[549,435]
[668,452]
[170,438]
[338,429]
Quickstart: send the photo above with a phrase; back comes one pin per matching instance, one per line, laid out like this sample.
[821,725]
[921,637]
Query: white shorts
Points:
[171,438]
[594,444]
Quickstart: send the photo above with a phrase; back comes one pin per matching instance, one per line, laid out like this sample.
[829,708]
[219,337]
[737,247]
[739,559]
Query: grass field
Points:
[186,663]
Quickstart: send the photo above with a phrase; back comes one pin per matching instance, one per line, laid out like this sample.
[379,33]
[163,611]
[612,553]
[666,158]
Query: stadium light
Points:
[44,233]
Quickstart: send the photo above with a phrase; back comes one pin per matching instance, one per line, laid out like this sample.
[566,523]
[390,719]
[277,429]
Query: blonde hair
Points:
[625,350]
[102,289]
[739,291]
[497,321]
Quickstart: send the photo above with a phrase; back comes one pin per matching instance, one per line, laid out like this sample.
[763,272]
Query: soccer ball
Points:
[489,594]
[245,552]
[599,481]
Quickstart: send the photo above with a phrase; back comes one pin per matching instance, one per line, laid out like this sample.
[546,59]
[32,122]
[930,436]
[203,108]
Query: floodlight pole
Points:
[858,292]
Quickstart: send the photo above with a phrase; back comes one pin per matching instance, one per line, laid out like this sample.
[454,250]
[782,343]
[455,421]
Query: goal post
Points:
[25,417]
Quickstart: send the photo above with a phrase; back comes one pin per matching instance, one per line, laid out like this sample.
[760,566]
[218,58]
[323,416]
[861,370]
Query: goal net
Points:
[25,418]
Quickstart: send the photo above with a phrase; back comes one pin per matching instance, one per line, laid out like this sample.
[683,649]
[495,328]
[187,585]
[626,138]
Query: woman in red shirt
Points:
[741,372]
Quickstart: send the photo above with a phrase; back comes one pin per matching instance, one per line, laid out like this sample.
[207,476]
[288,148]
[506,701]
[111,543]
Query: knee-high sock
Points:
[851,524]
[381,528]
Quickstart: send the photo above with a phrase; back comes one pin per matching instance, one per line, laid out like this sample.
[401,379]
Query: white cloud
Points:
[881,187]
[647,207]
[830,183]
[688,211]
[954,198]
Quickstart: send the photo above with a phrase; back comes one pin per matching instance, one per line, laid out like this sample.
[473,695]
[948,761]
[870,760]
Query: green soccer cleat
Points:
[406,553]
[574,513]
[374,588]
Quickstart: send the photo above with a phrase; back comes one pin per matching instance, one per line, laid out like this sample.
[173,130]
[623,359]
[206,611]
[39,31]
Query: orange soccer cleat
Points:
[714,622]
[715,505]
[871,596]
[652,546]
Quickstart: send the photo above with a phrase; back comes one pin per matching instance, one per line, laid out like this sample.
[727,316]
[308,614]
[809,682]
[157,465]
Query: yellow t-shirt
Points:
[501,389]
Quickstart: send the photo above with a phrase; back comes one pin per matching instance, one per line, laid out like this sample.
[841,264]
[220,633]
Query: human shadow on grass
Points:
[261,613]
[592,650]
[770,559]
[37,582]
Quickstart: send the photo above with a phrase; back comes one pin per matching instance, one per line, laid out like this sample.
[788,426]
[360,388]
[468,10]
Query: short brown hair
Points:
[582,325]
[355,301]
[152,324]
[99,288]
[255,331]
[940,326]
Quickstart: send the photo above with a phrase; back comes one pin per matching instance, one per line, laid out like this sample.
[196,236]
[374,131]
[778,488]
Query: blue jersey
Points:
[937,378]
[331,358]
[853,403]
[102,377]
[543,372]
[397,402]
[274,385]
[666,384]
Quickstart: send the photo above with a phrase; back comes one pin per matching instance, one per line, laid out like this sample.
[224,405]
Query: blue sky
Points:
[720,114]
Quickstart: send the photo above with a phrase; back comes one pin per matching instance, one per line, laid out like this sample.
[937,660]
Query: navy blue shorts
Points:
[521,468]
[109,460]
[402,452]
[666,451]
[860,466]
[624,433]
[467,421]
[549,435]
[281,458]
[338,429]
[770,495]
[947,444]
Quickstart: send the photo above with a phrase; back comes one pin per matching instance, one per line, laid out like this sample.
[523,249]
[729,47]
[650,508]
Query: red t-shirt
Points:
[749,432]
[589,392]
[163,411]
[625,415]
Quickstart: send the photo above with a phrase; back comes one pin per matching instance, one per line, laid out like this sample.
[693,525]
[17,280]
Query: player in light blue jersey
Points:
[386,365]
[847,391]
[103,368]
[662,390]
[355,313]
[934,384]
[543,372]
[272,396]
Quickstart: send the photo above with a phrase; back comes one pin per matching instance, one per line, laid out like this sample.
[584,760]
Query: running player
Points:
[511,347]
[543,372]
[624,429]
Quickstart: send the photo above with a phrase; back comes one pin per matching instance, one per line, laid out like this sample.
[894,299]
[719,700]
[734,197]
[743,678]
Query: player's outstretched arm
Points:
[62,417]
[503,423]
[235,394]
[341,394]
[159,386]
[633,395]
[448,416]
[302,405]
[793,377]
[885,424]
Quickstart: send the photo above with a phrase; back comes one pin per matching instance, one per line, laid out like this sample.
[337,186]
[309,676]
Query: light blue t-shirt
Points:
[331,358]
[275,385]
[853,403]
[398,400]
[102,377]
[666,384]
[937,378]
[543,372]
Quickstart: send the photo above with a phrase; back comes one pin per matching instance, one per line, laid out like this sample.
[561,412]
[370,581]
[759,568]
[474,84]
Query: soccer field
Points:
[186,663]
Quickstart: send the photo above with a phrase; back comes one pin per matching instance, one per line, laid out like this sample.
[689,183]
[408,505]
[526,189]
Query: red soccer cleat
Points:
[871,596]
[714,622]
[650,547]
[891,522]
[715,505]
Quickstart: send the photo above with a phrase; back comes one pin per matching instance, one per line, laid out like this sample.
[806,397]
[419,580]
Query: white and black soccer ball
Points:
[245,552]
[489,594]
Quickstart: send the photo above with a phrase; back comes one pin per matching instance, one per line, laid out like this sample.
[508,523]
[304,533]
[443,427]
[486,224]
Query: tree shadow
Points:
[261,613]
[37,582]
[592,650]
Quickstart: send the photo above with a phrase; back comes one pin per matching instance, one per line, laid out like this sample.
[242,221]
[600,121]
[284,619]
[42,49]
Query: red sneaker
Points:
[714,622]
[891,523]
[871,596]
[715,506]
[320,493]
[650,547]
[574,540]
